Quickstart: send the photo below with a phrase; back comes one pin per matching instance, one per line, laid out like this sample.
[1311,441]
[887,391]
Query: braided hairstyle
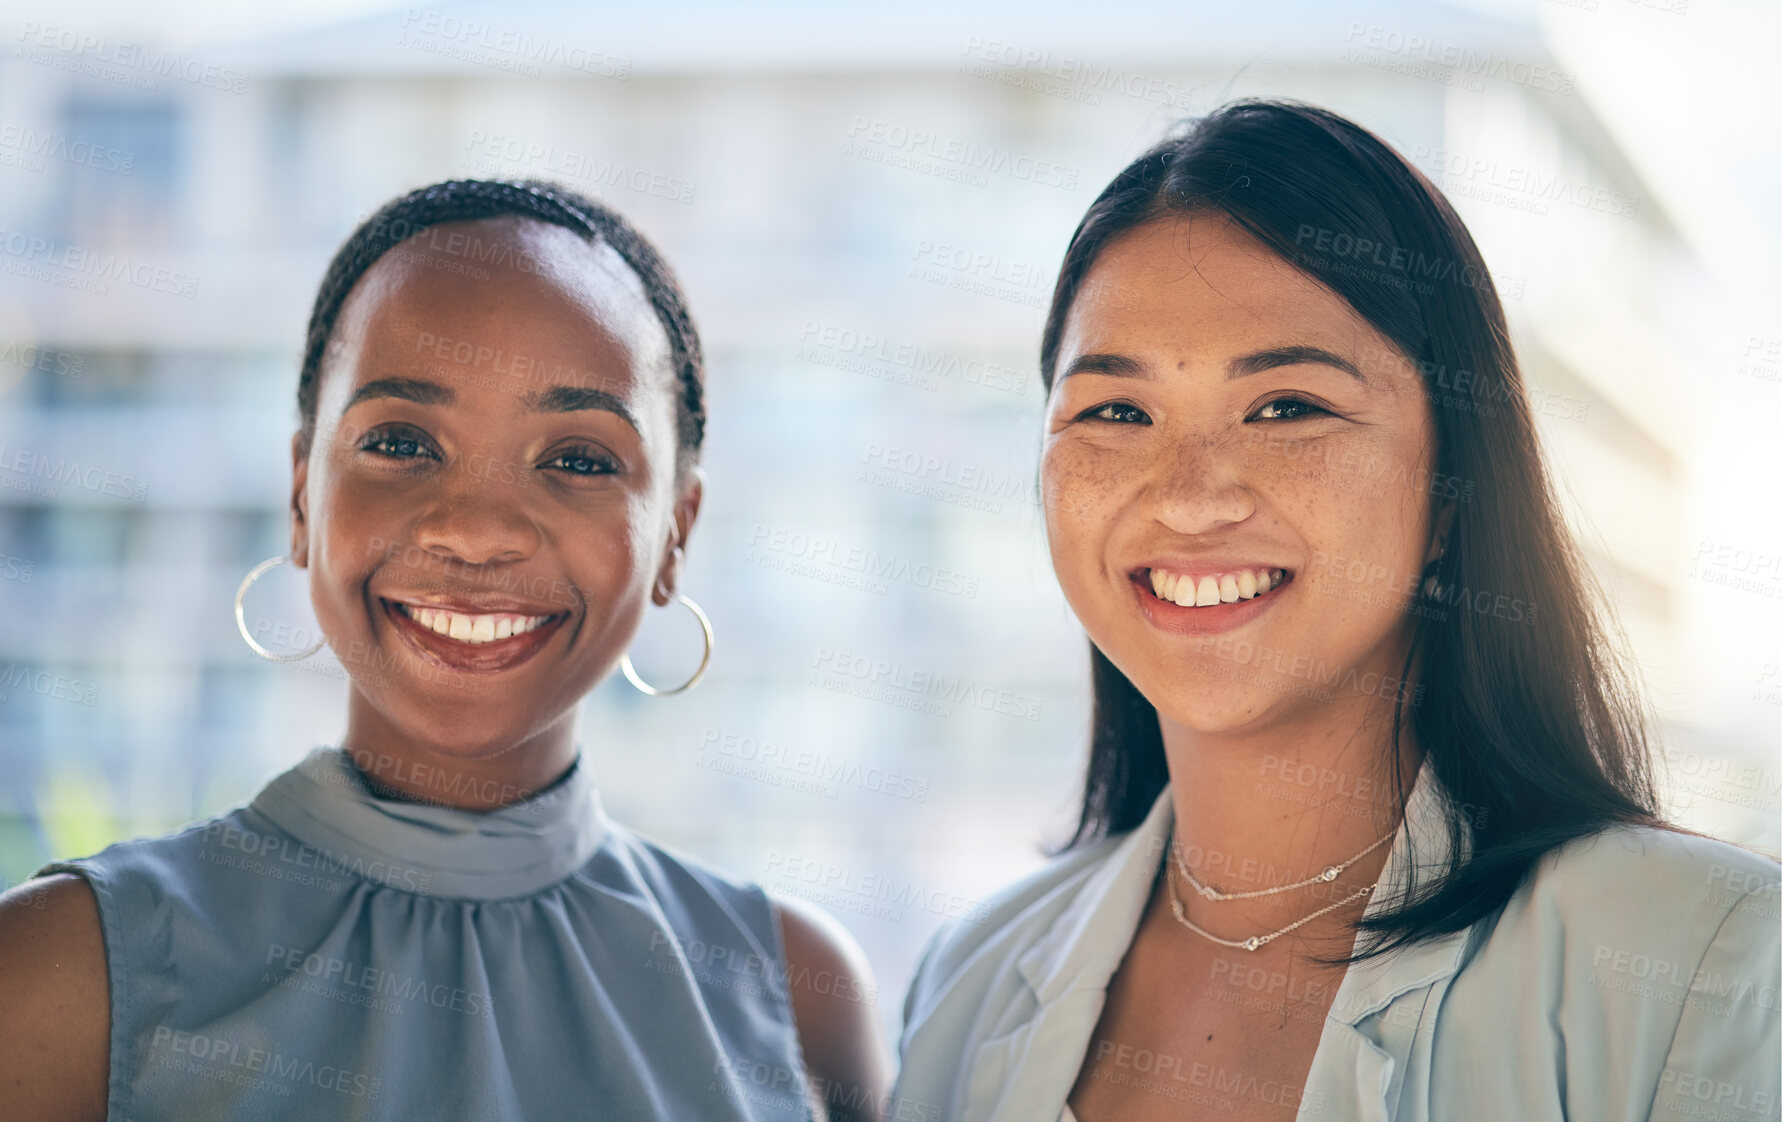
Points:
[465,200]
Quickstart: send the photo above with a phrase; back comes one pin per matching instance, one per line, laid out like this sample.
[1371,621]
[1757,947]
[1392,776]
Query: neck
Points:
[1267,806]
[479,777]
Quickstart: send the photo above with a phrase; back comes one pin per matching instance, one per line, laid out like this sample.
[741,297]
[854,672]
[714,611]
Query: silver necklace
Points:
[1255,941]
[1329,874]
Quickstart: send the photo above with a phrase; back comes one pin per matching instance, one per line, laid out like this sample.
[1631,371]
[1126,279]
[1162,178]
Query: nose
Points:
[476,519]
[1197,486]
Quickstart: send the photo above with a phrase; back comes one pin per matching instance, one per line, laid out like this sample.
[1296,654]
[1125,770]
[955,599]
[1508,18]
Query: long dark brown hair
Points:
[1535,729]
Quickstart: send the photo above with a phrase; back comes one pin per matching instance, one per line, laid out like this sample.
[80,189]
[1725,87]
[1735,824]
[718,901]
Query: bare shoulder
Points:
[834,1001]
[822,955]
[55,1021]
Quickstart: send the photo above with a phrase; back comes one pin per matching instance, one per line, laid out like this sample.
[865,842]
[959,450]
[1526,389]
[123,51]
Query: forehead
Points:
[464,298]
[1200,279]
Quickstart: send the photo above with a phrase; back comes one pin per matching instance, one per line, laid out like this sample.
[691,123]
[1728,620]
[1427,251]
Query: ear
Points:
[1438,535]
[299,502]
[674,551]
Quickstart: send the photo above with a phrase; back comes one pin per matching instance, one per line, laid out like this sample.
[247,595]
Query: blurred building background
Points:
[871,300]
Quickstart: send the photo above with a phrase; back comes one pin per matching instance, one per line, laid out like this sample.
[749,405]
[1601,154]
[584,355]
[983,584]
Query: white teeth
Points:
[473,629]
[1222,588]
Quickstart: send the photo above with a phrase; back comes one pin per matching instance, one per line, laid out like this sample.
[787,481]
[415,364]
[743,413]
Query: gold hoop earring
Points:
[705,625]
[241,617]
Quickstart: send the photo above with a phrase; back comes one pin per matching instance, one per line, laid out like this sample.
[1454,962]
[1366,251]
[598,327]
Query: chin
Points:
[1233,711]
[458,726]
[1210,692]
[459,743]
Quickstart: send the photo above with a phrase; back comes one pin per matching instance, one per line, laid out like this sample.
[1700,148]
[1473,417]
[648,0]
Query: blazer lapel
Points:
[1025,1073]
[1349,1078]
[1358,1055]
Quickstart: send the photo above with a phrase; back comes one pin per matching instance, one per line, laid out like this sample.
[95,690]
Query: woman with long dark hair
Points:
[494,474]
[1369,829]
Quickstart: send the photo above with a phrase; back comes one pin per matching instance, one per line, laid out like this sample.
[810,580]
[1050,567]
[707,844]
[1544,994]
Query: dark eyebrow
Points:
[1115,366]
[1124,366]
[557,399]
[1291,356]
[569,399]
[408,389]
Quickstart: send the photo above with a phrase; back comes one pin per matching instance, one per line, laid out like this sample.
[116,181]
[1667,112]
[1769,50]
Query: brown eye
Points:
[584,460]
[397,444]
[1118,412]
[1295,408]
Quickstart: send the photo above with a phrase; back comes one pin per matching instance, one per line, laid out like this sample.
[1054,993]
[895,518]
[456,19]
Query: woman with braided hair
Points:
[495,469]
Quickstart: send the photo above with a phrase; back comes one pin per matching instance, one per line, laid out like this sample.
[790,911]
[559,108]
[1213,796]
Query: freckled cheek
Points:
[1079,493]
[1370,513]
[1309,495]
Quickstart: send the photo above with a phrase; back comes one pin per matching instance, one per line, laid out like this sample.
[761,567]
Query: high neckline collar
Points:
[514,850]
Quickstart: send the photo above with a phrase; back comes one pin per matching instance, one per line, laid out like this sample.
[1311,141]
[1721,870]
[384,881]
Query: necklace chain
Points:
[1255,941]
[1329,874]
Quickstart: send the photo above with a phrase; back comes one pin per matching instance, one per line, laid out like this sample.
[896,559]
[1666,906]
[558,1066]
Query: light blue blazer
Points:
[1635,975]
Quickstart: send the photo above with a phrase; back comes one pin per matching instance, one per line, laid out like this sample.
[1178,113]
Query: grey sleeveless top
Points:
[326,953]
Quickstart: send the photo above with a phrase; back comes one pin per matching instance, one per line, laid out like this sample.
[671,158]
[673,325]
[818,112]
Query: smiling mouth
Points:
[477,642]
[473,629]
[1208,590]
